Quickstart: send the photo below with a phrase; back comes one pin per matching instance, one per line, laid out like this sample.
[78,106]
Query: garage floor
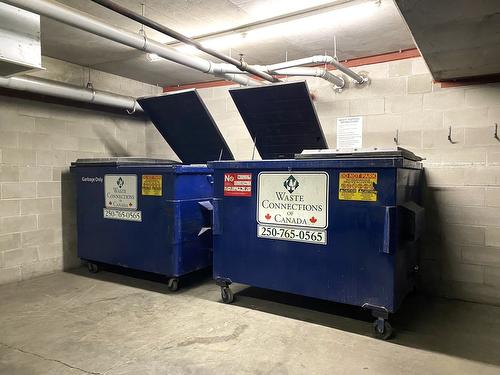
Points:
[76,323]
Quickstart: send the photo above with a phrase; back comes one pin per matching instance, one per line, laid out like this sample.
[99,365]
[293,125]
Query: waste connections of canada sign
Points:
[293,200]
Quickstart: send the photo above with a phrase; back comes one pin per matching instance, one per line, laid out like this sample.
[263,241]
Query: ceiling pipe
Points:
[87,23]
[302,71]
[319,59]
[64,91]
[240,64]
[313,72]
[299,71]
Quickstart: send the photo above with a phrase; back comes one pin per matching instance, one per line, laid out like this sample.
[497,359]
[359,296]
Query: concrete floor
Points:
[76,323]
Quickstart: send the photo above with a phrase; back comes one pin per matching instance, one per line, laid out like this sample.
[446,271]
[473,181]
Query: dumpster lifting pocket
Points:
[412,220]
[217,216]
[388,222]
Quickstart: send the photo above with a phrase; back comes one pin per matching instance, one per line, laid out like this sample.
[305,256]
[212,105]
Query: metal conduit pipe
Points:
[241,65]
[300,71]
[318,59]
[313,72]
[60,90]
[85,22]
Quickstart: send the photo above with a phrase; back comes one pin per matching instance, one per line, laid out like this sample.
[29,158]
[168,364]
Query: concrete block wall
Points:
[461,248]
[38,142]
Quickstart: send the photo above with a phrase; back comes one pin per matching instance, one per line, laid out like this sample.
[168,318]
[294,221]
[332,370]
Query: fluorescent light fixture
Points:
[261,9]
[344,16]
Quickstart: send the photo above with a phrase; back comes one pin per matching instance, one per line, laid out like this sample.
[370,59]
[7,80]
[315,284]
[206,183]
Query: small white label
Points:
[350,132]
[123,215]
[120,191]
[292,234]
[298,199]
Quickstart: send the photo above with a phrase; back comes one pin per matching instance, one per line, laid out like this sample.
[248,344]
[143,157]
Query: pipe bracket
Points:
[145,45]
[131,112]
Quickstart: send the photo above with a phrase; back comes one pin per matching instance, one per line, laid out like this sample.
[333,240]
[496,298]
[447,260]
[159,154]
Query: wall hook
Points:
[496,132]
[449,136]
[396,138]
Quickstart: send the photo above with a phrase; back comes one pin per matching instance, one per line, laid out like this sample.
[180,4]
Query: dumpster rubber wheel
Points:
[382,333]
[173,284]
[92,267]
[227,294]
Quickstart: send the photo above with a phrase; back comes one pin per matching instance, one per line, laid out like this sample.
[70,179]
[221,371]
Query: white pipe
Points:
[313,72]
[318,59]
[300,71]
[59,90]
[85,22]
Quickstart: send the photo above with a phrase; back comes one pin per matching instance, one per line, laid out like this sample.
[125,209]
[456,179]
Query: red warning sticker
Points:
[237,184]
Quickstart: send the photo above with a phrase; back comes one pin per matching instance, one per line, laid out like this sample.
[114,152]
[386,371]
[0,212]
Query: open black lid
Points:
[280,118]
[187,126]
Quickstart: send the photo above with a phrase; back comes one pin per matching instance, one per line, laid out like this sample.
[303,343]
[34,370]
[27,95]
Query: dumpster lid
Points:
[185,123]
[351,153]
[280,118]
[123,160]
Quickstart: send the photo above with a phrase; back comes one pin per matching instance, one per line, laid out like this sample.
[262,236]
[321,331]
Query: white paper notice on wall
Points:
[350,132]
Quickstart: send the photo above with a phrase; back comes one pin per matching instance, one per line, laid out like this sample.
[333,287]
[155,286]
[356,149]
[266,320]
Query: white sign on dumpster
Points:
[350,132]
[297,199]
[120,191]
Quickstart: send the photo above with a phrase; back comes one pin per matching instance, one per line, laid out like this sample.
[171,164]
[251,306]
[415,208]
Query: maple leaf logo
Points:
[268,217]
[313,220]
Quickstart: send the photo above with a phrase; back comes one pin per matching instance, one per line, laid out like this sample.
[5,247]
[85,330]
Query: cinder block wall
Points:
[461,248]
[38,142]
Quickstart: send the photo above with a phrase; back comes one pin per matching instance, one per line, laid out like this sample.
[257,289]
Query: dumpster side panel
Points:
[193,221]
[410,226]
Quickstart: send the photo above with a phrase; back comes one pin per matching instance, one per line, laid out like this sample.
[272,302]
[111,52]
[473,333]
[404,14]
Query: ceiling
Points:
[361,27]
[457,38]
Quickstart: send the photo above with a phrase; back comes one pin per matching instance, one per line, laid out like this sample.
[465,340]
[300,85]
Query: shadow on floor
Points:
[144,280]
[451,327]
[456,328]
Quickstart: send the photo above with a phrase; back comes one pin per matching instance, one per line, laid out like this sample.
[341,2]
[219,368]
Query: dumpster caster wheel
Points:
[226,294]
[173,284]
[382,329]
[92,267]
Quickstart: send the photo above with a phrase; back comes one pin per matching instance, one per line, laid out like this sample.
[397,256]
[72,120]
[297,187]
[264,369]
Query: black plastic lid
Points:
[187,126]
[366,153]
[123,160]
[280,118]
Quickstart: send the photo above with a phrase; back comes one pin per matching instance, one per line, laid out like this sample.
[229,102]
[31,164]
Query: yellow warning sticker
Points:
[356,186]
[152,184]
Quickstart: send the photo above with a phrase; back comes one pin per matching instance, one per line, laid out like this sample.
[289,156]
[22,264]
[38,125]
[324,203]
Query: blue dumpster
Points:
[331,224]
[148,214]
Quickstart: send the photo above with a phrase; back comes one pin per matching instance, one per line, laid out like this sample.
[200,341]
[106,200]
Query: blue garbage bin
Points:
[149,214]
[331,224]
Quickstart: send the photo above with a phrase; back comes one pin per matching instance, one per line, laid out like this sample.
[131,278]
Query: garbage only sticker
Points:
[358,186]
[152,185]
[237,184]
[120,191]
